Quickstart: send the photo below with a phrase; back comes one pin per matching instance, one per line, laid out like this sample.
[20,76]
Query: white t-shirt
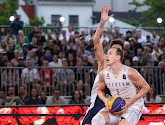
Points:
[29,75]
[157,100]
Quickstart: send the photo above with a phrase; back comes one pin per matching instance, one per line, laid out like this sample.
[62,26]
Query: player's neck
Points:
[116,69]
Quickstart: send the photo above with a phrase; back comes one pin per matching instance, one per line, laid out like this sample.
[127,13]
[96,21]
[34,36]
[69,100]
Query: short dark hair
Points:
[117,41]
[120,53]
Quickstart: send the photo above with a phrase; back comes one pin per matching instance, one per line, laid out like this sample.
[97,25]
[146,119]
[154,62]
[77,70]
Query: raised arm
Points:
[138,81]
[99,52]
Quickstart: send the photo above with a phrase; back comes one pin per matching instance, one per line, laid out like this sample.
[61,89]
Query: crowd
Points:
[68,49]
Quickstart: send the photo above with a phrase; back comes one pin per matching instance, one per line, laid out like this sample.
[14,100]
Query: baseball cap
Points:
[20,58]
[2,51]
[64,59]
[135,58]
[25,44]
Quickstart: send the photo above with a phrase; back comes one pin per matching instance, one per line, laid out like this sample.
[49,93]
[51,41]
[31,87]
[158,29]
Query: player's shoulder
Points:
[132,72]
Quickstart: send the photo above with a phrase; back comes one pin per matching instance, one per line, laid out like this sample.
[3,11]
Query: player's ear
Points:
[118,57]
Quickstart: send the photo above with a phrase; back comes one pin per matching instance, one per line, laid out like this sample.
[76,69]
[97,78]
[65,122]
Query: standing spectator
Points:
[76,98]
[46,75]
[48,55]
[43,97]
[92,58]
[24,52]
[152,97]
[141,39]
[55,62]
[10,52]
[17,25]
[56,98]
[33,45]
[71,51]
[15,60]
[33,33]
[154,38]
[12,100]
[2,97]
[34,100]
[155,54]
[22,94]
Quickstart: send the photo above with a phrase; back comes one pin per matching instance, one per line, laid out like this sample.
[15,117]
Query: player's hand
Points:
[128,102]
[106,104]
[104,14]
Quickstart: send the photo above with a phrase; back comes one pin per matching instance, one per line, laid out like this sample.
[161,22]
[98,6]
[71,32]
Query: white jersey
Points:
[122,86]
[94,90]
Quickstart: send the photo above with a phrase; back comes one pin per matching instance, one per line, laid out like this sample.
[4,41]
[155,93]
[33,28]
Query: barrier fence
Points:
[67,79]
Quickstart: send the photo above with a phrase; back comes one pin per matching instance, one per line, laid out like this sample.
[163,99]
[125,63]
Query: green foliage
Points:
[156,9]
[9,8]
[37,21]
[131,21]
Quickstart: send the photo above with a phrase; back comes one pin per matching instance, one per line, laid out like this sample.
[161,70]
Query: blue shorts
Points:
[99,104]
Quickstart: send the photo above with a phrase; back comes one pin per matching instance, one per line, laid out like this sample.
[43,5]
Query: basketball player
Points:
[122,81]
[96,103]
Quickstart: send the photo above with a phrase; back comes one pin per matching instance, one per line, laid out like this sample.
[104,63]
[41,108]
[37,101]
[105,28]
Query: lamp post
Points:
[159,20]
[111,20]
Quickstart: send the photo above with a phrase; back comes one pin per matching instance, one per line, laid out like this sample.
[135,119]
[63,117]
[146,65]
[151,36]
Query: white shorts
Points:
[132,116]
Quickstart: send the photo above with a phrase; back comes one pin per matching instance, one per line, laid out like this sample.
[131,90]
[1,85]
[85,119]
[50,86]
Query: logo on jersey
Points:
[108,76]
[124,76]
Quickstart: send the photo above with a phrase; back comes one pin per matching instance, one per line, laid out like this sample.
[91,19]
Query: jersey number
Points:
[118,93]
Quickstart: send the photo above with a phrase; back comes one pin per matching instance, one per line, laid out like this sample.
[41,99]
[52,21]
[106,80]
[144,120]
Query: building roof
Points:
[29,10]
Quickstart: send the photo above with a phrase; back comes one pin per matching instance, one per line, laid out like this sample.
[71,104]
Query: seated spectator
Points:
[22,94]
[2,97]
[71,51]
[49,36]
[3,45]
[57,40]
[4,61]
[154,38]
[141,57]
[10,52]
[77,45]
[33,33]
[43,97]
[90,45]
[127,62]
[34,100]
[85,60]
[76,98]
[104,37]
[30,76]
[84,51]
[19,46]
[21,35]
[46,75]
[40,52]
[55,62]
[63,47]
[48,55]
[3,34]
[24,52]
[141,39]
[71,60]
[12,100]
[105,46]
[135,61]
[56,98]
[55,49]
[33,45]
[40,38]
[92,58]
[32,56]
[41,60]
[11,39]
[21,65]
[49,46]
[152,97]
[60,57]
[15,60]
[163,54]
[83,97]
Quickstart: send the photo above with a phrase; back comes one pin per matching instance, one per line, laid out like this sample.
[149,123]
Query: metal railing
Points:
[67,79]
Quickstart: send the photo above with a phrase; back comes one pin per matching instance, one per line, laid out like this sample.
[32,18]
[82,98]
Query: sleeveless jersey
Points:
[122,86]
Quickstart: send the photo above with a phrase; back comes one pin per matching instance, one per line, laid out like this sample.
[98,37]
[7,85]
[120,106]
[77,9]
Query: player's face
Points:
[111,56]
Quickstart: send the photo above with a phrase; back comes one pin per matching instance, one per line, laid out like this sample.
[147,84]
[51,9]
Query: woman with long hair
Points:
[76,98]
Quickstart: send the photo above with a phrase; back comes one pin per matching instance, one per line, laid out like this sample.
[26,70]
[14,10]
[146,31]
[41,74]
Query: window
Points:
[55,20]
[73,19]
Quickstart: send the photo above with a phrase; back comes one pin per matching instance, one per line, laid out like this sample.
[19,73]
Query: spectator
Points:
[21,65]
[109,32]
[50,46]
[41,60]
[104,37]
[40,38]
[63,47]
[17,25]
[40,52]
[76,98]
[90,45]
[33,33]
[57,40]
[71,60]
[131,54]
[3,34]
[128,35]
[154,38]
[84,51]
[49,36]
[65,77]
[3,45]
[71,51]
[2,97]
[55,49]
[11,38]
[83,34]
[63,36]
[155,54]
[141,57]
[61,56]
[163,54]
[105,46]
[55,62]
[21,35]
[85,60]
[10,52]
[22,94]
[30,76]
[91,35]
[161,43]
[32,56]
[134,45]
[152,97]
[46,75]
[141,39]
[134,33]
[127,62]
[70,31]
[83,97]
[56,98]
[34,100]
[135,61]
[20,44]
[71,39]
[12,100]
[78,54]
[117,31]
[33,45]
[43,97]
[24,52]
[15,60]
[77,45]
[48,55]
[76,35]
[92,58]
[147,53]
[4,61]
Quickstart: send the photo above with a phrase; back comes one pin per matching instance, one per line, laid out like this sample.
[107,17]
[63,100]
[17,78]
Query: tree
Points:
[37,21]
[149,17]
[8,8]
